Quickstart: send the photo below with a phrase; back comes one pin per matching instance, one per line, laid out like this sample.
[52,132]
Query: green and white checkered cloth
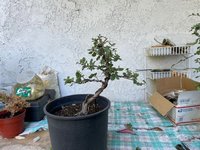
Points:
[151,130]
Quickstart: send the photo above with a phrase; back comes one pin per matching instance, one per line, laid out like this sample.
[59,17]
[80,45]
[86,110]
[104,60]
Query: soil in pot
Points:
[11,126]
[73,109]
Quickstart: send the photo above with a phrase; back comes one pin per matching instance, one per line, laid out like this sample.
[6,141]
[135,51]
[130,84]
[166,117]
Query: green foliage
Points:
[195,29]
[103,59]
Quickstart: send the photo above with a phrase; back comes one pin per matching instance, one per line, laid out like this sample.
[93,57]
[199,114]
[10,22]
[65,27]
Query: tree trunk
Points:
[88,99]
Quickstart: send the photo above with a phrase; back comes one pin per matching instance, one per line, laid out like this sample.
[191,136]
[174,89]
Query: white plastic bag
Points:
[50,79]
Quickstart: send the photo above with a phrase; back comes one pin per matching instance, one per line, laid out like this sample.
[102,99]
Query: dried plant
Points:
[13,104]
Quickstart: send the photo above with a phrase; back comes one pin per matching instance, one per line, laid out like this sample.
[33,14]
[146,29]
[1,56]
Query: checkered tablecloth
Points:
[151,131]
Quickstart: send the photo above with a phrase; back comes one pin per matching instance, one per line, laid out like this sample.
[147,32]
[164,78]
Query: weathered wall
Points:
[35,33]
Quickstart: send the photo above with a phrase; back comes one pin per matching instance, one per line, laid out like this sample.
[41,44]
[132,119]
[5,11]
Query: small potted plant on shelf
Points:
[79,122]
[12,115]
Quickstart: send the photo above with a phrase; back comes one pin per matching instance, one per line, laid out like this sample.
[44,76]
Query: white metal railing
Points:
[168,50]
[168,74]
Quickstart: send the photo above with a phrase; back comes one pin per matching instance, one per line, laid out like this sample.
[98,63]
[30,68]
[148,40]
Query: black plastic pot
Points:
[35,111]
[78,133]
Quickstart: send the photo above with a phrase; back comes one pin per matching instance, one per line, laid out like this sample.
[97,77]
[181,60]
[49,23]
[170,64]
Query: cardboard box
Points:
[187,109]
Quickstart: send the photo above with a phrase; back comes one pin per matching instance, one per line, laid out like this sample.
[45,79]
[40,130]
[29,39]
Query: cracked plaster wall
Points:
[57,33]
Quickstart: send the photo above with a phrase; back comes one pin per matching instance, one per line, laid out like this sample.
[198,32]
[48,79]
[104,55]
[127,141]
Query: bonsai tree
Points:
[103,62]
[13,104]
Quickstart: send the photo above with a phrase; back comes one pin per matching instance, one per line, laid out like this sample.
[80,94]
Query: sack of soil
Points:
[29,86]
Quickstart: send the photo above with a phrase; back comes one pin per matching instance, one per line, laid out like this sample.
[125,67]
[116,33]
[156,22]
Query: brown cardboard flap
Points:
[162,105]
[166,85]
[189,84]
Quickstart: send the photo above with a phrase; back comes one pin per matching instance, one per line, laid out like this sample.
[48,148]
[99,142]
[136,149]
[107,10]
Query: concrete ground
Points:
[29,143]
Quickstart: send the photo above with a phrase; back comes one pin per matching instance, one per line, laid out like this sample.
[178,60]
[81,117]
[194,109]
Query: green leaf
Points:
[92,75]
[78,74]
[98,57]
[69,80]
[112,77]
[116,57]
[82,61]
[93,54]
[79,77]
[120,69]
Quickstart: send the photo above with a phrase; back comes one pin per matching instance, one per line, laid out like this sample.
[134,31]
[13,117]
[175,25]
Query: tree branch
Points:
[92,80]
[182,60]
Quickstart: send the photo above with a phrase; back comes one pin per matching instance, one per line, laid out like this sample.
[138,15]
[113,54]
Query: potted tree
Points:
[79,122]
[12,115]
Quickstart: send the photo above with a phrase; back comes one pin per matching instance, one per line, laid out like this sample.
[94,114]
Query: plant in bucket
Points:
[79,122]
[12,115]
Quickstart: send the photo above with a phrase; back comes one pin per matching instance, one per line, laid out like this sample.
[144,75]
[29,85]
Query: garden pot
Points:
[11,127]
[87,132]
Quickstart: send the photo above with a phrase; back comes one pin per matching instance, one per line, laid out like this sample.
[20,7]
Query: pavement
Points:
[36,141]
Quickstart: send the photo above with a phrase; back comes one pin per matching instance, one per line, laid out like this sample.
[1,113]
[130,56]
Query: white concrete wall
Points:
[35,33]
